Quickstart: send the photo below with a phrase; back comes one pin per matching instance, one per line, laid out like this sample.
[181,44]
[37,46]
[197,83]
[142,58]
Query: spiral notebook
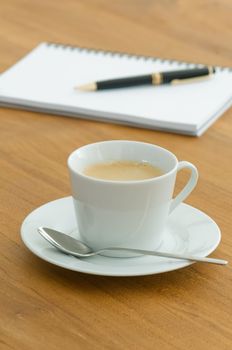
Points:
[44,81]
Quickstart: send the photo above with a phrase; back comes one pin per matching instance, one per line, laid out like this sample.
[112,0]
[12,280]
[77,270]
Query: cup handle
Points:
[188,187]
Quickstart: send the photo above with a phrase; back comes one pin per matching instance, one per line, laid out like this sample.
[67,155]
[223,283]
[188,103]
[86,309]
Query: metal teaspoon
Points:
[72,246]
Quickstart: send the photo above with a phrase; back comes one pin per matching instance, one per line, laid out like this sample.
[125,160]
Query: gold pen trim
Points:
[211,70]
[157,79]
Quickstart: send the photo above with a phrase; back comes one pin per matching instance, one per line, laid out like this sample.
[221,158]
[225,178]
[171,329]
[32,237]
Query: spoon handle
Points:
[168,255]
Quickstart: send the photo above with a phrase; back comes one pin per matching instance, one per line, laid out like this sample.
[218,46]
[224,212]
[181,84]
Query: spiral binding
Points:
[123,54]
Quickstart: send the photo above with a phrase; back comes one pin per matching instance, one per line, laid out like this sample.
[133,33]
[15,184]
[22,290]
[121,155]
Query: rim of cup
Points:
[126,182]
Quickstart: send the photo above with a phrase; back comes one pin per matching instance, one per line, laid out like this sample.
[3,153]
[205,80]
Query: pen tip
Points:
[87,87]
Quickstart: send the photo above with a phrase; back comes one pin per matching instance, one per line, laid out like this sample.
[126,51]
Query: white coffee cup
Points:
[125,213]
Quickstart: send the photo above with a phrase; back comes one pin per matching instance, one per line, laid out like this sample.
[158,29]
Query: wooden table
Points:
[46,307]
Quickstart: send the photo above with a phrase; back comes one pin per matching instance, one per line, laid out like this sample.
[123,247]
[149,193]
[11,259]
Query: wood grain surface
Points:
[46,307]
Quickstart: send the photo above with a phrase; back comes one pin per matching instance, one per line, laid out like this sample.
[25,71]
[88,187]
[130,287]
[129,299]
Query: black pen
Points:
[159,78]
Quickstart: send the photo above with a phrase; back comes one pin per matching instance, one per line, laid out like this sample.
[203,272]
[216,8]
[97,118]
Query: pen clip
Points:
[190,80]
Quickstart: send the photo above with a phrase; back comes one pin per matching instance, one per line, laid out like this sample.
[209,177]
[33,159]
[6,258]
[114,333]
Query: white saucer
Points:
[189,230]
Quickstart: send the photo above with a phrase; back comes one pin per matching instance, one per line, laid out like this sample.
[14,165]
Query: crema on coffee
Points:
[123,171]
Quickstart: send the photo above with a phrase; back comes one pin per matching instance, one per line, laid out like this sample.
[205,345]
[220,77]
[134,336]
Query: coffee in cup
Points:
[123,170]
